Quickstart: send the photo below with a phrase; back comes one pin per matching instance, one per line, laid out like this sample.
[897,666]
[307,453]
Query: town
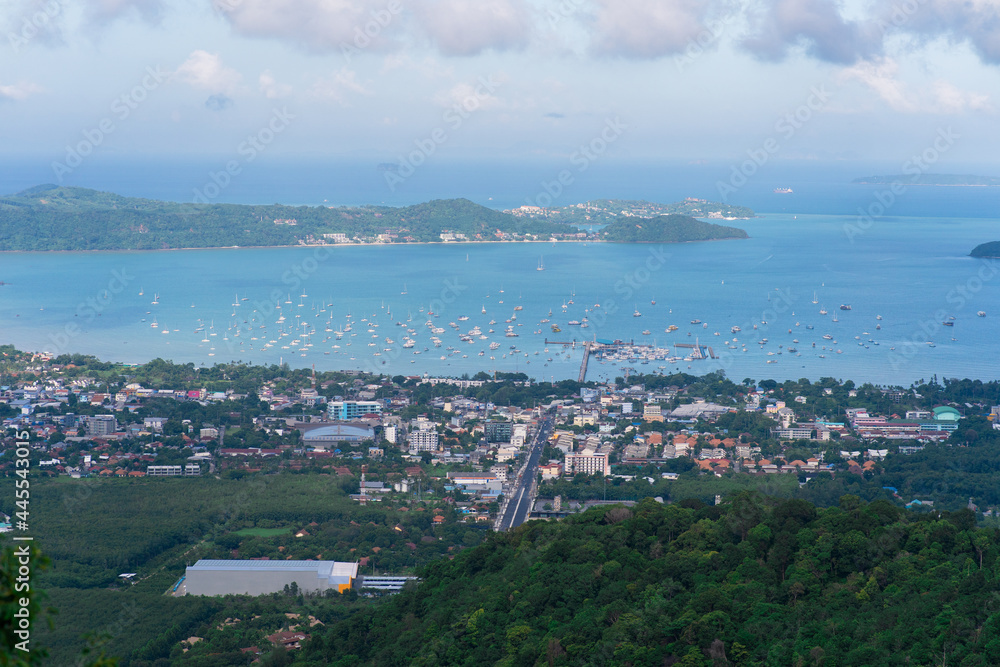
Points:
[419,438]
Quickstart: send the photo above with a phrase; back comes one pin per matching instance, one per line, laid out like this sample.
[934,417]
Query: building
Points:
[498,431]
[322,436]
[587,464]
[652,412]
[423,441]
[189,470]
[260,577]
[551,471]
[100,425]
[348,410]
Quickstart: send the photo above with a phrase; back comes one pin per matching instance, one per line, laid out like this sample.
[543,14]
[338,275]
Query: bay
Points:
[913,272]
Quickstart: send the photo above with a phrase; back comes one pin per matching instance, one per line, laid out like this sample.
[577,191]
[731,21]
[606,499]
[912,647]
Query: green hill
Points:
[669,229]
[753,582]
[49,217]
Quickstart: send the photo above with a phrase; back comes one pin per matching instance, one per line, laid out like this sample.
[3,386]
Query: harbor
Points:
[460,310]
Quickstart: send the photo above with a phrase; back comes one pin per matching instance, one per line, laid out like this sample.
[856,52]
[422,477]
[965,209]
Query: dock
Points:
[583,365]
[698,354]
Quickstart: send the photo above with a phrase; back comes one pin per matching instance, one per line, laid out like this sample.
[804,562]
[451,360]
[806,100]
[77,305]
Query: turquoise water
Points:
[913,272]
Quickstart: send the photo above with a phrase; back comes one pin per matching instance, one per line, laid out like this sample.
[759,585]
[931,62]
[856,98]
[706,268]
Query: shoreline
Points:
[360,245]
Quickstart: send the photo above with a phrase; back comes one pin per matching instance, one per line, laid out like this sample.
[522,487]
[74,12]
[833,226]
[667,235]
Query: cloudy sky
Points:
[519,79]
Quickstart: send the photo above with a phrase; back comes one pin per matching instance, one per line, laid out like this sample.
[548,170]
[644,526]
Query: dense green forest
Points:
[754,581]
[669,229]
[50,217]
[63,218]
[991,249]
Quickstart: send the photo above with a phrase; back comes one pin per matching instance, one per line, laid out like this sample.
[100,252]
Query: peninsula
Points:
[55,218]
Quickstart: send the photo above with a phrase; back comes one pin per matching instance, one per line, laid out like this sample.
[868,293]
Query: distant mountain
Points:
[929,179]
[669,229]
[991,249]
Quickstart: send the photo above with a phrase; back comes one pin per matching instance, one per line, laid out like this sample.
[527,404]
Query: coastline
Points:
[357,245]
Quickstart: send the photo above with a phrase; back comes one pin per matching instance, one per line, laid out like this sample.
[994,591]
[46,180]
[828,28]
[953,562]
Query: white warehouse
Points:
[260,577]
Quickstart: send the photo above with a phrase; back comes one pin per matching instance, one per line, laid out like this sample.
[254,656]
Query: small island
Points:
[56,218]
[944,180]
[991,249]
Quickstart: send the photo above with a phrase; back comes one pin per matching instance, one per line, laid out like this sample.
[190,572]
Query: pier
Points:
[583,365]
[698,354]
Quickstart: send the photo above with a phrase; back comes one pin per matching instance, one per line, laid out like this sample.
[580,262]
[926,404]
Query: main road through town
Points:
[518,505]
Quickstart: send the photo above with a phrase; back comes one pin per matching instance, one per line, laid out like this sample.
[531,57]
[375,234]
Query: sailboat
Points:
[140,291]
[815,300]
[541,264]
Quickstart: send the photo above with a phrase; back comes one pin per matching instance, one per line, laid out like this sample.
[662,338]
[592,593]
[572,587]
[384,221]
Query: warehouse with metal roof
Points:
[260,577]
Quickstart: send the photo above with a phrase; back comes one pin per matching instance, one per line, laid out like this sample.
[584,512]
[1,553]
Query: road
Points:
[518,506]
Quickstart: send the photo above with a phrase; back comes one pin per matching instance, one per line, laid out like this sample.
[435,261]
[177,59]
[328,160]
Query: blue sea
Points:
[903,273]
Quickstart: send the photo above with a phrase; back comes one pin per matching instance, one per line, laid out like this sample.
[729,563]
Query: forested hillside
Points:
[62,218]
[755,581]
[669,229]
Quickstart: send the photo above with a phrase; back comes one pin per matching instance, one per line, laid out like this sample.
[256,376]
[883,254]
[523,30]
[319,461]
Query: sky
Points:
[394,81]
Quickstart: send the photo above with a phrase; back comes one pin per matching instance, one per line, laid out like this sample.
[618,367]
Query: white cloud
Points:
[939,97]
[315,25]
[881,77]
[18,91]
[949,99]
[469,27]
[206,71]
[647,28]
[339,86]
[271,88]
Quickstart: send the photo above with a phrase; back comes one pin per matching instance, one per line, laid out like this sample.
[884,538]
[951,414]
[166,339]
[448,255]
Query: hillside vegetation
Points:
[751,582]
[62,218]
[669,229]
